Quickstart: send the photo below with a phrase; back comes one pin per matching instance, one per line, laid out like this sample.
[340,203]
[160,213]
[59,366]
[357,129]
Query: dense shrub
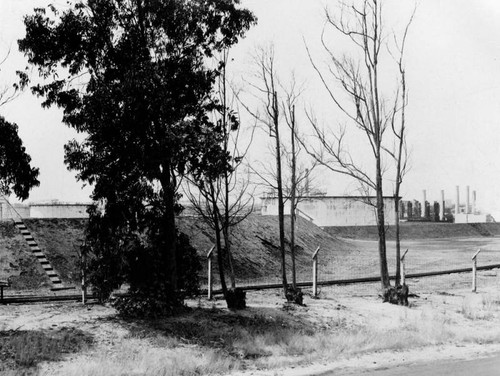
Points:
[294,295]
[189,264]
[119,254]
[236,299]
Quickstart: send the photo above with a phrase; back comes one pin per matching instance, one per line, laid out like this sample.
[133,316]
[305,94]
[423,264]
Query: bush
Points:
[294,295]
[189,265]
[236,299]
[128,245]
[150,295]
[158,301]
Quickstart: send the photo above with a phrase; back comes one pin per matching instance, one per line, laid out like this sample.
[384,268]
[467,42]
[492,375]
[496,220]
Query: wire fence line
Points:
[424,258]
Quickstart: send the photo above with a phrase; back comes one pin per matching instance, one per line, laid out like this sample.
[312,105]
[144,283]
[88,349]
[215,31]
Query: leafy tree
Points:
[136,83]
[16,174]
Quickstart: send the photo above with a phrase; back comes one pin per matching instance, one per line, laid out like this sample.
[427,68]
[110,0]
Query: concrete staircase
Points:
[37,252]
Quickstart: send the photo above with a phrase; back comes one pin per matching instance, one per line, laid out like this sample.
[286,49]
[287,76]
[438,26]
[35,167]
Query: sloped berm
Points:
[255,242]
[419,230]
[254,248]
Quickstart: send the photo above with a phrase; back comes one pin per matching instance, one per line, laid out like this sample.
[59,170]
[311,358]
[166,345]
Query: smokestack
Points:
[473,202]
[457,202]
[467,203]
[424,197]
[442,205]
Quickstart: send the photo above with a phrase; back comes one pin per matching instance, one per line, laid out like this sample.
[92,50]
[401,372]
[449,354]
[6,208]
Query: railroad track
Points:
[27,299]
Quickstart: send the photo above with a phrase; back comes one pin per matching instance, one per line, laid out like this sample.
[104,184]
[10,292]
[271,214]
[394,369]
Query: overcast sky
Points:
[453,69]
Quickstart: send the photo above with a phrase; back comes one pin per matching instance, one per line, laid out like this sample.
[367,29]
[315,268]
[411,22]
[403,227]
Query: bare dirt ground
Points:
[347,330]
[445,321]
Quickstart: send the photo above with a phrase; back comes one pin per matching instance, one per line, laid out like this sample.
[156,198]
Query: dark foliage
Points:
[16,173]
[151,301]
[116,256]
[236,299]
[150,293]
[136,83]
[294,295]
[190,266]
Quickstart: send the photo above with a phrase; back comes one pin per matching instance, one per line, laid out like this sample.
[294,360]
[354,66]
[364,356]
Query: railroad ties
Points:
[37,252]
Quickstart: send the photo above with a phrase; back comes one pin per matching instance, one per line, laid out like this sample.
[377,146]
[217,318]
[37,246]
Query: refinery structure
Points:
[322,210]
[327,211]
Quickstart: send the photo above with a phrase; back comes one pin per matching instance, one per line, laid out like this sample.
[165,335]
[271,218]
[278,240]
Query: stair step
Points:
[37,252]
[59,288]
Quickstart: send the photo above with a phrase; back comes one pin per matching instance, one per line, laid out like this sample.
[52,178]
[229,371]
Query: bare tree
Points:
[400,150]
[300,175]
[224,200]
[267,95]
[356,76]
[286,175]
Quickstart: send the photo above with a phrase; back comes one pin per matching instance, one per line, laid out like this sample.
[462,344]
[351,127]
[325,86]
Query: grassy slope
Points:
[60,240]
[419,230]
[17,262]
[254,258]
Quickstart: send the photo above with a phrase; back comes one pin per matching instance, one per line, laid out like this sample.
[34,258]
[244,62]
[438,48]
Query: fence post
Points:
[315,273]
[474,270]
[209,270]
[403,268]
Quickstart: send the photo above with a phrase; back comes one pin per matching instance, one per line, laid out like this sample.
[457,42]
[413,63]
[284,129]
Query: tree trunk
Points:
[293,200]
[292,243]
[398,242]
[218,245]
[281,209]
[384,272]
[170,235]
[220,261]
[227,243]
[225,226]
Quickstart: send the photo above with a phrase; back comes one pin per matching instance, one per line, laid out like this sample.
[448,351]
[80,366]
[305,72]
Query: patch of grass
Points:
[134,356]
[490,303]
[243,335]
[483,311]
[25,349]
[277,340]
[213,341]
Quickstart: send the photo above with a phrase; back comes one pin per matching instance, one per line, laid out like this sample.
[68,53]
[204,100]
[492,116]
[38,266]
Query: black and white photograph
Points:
[249,187]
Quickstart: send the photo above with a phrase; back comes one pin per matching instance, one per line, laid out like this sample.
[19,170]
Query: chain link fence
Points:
[360,262]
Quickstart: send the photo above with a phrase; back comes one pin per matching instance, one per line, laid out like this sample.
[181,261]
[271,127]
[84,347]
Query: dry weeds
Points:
[269,337]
